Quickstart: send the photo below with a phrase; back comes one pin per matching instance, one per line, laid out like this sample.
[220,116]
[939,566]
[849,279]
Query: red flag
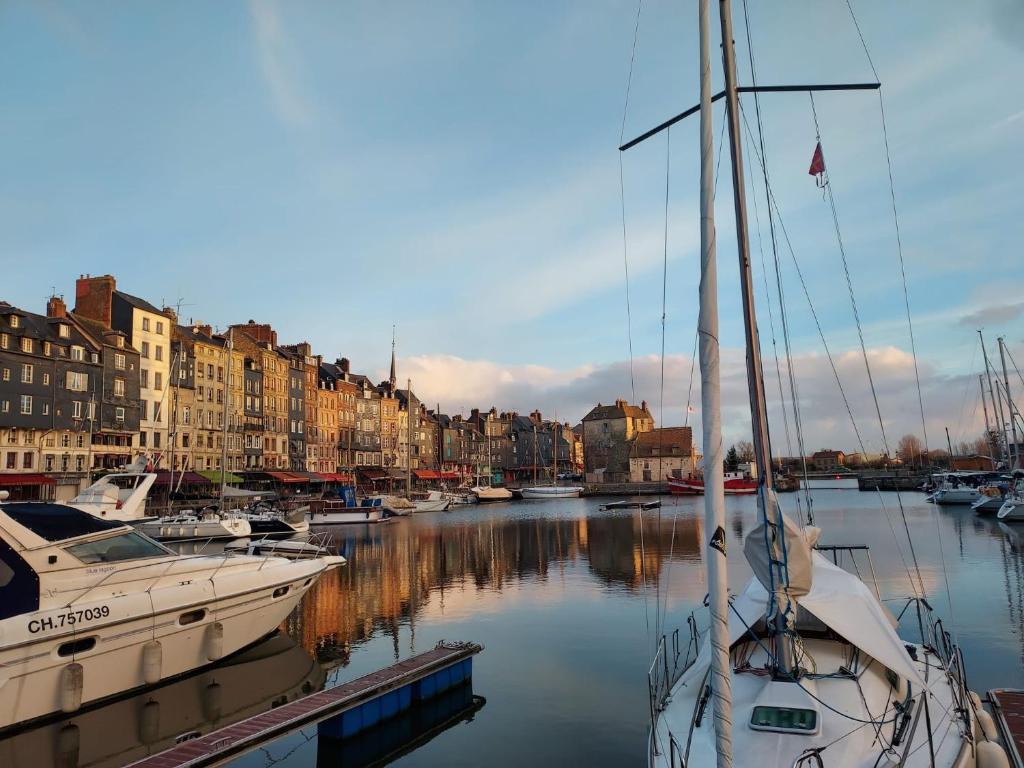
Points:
[817,162]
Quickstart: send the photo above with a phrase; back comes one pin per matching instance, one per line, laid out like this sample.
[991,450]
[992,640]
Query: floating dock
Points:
[1008,706]
[632,505]
[342,711]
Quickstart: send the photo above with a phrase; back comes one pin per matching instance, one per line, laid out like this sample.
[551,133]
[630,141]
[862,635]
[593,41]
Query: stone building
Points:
[367,434]
[149,331]
[204,422]
[260,343]
[340,375]
[827,460]
[182,434]
[296,372]
[608,436]
[663,452]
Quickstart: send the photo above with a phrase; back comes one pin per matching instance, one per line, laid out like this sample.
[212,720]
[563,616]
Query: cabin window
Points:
[784,719]
[191,617]
[76,646]
[127,546]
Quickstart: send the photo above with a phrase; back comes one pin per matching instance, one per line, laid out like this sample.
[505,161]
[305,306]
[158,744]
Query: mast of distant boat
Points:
[711,414]
[1014,453]
[997,405]
[228,346]
[988,424]
[408,448]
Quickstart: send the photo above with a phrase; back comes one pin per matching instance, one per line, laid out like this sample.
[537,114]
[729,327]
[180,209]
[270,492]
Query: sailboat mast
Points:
[1014,453]
[758,412]
[711,416]
[408,447]
[224,426]
[988,424]
[997,411]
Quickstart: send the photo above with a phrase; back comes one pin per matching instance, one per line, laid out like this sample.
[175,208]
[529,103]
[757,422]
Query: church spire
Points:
[393,380]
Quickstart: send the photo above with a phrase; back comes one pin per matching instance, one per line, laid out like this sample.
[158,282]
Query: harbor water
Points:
[568,601]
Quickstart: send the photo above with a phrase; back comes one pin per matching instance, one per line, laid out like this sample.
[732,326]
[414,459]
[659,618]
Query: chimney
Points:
[345,365]
[56,307]
[643,405]
[170,314]
[94,297]
[620,403]
[206,330]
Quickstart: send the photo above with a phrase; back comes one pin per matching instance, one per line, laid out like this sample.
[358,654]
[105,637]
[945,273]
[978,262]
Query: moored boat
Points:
[736,484]
[204,524]
[552,492]
[118,496]
[488,493]
[337,512]
[94,608]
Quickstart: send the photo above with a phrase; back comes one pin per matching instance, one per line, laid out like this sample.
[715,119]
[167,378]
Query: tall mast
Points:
[711,417]
[224,427]
[997,411]
[554,453]
[534,454]
[758,413]
[1014,456]
[988,424]
[408,447]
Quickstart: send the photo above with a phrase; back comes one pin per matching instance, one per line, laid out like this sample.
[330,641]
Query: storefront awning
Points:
[28,479]
[213,475]
[287,477]
[372,473]
[336,477]
[433,474]
[163,477]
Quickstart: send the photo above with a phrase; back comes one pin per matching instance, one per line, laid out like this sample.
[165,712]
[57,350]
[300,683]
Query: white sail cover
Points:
[842,602]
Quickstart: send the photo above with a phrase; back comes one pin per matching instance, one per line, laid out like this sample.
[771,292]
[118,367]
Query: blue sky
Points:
[451,168]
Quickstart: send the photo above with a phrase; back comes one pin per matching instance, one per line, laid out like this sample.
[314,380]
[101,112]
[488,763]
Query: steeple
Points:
[393,380]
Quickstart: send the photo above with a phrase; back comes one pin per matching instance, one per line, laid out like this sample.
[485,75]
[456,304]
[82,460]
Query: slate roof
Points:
[671,440]
[138,303]
[616,412]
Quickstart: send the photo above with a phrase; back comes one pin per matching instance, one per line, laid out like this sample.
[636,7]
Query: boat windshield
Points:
[127,546]
[56,522]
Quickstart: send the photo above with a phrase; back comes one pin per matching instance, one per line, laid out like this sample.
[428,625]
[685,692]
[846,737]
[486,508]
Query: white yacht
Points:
[457,498]
[394,505]
[337,512]
[1012,509]
[118,496]
[93,608]
[266,520]
[204,524]
[956,488]
[485,493]
[552,492]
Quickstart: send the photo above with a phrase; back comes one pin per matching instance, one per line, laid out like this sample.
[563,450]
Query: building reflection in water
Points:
[394,570]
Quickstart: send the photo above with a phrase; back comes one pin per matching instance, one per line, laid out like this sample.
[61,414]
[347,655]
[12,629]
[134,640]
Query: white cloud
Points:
[277,63]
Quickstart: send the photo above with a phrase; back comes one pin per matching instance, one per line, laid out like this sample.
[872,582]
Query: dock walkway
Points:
[358,704]
[1009,710]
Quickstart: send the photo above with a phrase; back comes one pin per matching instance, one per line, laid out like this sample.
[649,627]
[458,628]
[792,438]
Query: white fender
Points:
[991,755]
[152,662]
[988,725]
[72,681]
[214,640]
[975,700]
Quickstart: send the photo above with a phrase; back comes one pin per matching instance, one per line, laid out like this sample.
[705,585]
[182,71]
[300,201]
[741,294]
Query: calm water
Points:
[555,592]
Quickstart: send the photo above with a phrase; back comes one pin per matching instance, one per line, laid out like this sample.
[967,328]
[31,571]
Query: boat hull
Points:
[956,496]
[555,492]
[432,505]
[183,622]
[489,494]
[348,516]
[1011,512]
[988,505]
[230,528]
[696,487]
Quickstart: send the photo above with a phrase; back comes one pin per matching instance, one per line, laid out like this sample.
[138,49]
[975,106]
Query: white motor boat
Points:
[432,505]
[293,549]
[335,512]
[118,496]
[486,493]
[956,488]
[267,521]
[93,608]
[394,505]
[552,492]
[458,499]
[205,524]
[991,499]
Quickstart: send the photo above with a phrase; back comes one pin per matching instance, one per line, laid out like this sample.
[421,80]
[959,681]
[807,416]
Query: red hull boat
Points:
[734,486]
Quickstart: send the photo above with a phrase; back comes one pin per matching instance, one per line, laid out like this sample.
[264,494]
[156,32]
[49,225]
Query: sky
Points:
[451,170]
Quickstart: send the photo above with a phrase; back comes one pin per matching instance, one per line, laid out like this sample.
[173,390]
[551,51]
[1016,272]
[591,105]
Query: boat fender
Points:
[149,723]
[152,662]
[68,746]
[991,755]
[213,700]
[72,681]
[975,700]
[988,725]
[214,641]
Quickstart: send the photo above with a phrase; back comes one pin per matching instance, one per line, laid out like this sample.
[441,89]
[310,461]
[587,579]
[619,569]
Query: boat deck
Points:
[1008,705]
[357,704]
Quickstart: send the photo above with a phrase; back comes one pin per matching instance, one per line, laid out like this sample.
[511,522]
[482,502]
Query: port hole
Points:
[77,646]
[280,591]
[191,617]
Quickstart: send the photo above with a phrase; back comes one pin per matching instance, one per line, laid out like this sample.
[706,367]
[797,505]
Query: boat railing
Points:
[670,661]
[809,758]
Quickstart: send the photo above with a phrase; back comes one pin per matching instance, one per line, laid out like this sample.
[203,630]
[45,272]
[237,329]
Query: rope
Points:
[661,391]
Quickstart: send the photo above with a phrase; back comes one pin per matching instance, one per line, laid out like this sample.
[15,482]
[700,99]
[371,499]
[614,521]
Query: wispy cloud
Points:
[996,313]
[277,62]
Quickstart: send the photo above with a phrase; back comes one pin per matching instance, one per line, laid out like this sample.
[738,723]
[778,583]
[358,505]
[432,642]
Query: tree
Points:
[745,450]
[732,459]
[909,450]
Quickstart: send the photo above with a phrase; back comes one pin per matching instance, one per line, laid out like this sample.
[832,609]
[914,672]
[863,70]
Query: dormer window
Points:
[15,321]
[65,330]
[77,353]
[26,345]
[120,342]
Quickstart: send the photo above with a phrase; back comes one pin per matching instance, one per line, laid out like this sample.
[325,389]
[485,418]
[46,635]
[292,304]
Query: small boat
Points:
[94,608]
[293,549]
[118,496]
[632,504]
[736,484]
[432,505]
[552,492]
[337,512]
[991,500]
[266,521]
[956,487]
[486,493]
[207,523]
[394,505]
[457,498]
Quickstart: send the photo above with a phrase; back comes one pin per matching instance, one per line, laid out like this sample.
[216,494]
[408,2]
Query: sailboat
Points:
[554,490]
[804,667]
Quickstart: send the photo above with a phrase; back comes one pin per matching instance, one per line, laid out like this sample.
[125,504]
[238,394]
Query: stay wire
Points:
[661,391]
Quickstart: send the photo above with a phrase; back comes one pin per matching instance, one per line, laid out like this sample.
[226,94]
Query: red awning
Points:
[15,479]
[449,475]
[287,477]
[373,473]
[427,474]
[336,477]
[163,477]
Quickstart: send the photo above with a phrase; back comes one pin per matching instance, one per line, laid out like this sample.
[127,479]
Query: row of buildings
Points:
[90,388]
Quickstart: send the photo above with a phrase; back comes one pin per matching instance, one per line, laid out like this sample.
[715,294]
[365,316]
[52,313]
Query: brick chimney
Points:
[345,365]
[170,314]
[206,330]
[56,307]
[260,332]
[643,405]
[620,403]
[94,297]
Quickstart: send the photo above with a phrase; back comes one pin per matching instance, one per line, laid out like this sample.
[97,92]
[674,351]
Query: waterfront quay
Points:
[560,594]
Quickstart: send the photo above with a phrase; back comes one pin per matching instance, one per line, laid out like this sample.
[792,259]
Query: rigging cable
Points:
[661,391]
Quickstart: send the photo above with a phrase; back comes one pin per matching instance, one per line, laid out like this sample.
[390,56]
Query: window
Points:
[156,411]
[142,439]
[77,382]
[145,349]
[90,411]
[46,379]
[158,380]
[119,361]
[79,463]
[144,378]
[65,440]
[12,460]
[49,462]
[15,321]
[46,409]
[127,546]
[76,409]
[145,323]
[159,350]
[7,374]
[5,406]
[94,357]
[26,460]
[159,327]
[26,345]
[156,439]
[119,387]
[47,348]
[26,405]
[120,342]
[186,415]
[784,719]
[209,371]
[26,374]
[64,330]
[80,440]
[77,353]
[4,340]
[119,414]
